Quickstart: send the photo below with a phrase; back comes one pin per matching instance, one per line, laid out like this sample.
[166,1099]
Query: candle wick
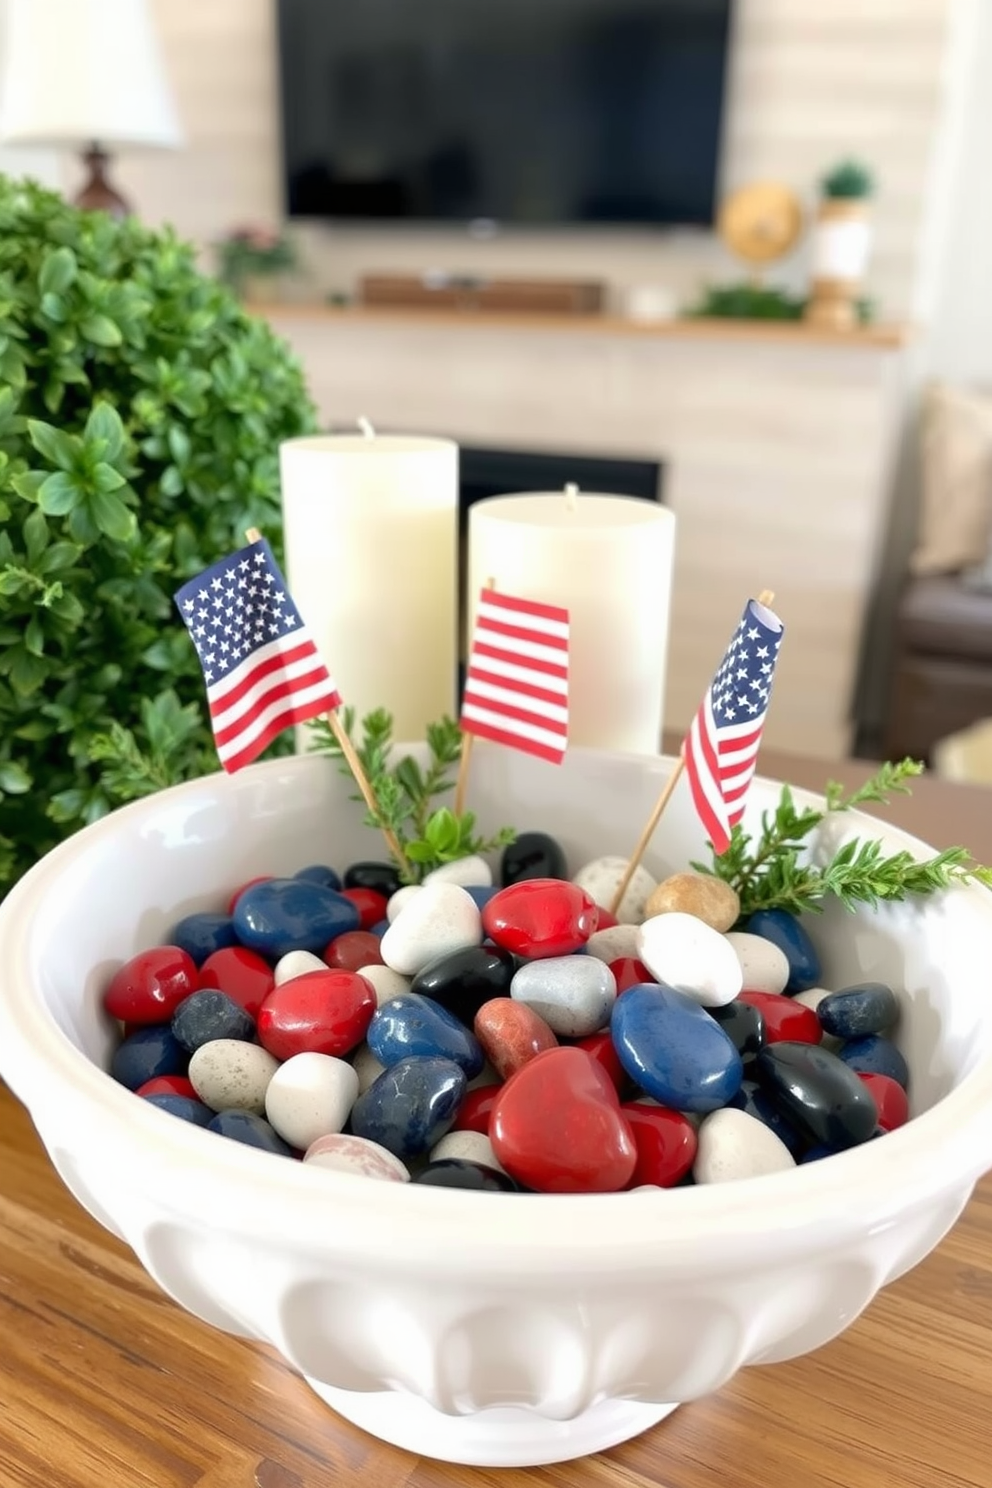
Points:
[571,492]
[366,426]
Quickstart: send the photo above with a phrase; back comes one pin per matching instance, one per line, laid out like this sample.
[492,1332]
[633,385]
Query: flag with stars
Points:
[262,669]
[721,747]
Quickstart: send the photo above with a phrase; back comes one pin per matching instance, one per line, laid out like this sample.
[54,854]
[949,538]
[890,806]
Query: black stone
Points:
[743,1024]
[532,855]
[753,1101]
[462,981]
[869,1007]
[382,877]
[818,1092]
[458,1172]
[208,1015]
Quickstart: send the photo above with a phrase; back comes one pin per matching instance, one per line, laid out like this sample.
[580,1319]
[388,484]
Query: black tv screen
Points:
[523,112]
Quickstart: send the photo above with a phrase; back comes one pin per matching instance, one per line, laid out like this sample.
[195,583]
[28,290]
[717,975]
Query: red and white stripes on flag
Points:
[516,686]
[261,666]
[721,748]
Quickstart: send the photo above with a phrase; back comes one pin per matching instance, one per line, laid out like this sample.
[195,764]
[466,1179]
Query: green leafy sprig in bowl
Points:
[405,791]
[770,870]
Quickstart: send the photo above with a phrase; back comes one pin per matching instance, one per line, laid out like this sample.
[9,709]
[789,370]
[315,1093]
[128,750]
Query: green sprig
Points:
[769,871]
[405,791]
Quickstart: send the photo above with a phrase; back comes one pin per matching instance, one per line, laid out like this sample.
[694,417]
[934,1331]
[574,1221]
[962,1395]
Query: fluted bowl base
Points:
[490,1438]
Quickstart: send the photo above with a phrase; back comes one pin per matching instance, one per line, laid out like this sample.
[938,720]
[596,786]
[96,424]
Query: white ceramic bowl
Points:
[486,1329]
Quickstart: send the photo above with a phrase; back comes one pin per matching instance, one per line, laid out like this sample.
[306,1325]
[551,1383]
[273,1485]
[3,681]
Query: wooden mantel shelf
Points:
[795,333]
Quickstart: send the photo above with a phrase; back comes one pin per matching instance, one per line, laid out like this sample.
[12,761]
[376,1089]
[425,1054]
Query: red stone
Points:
[371,906]
[606,920]
[323,1012]
[665,1141]
[785,1021]
[262,878]
[149,987]
[476,1109]
[244,975]
[557,1126]
[890,1098]
[602,1048]
[168,1085]
[630,972]
[540,917]
[511,1034]
[354,949]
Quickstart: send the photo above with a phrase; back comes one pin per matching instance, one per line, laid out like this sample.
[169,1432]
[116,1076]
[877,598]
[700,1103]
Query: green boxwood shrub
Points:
[141,412]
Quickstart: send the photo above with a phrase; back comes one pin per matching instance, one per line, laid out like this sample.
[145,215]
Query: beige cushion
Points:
[955,528]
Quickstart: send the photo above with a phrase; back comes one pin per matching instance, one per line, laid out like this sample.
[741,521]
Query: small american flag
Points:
[721,747]
[262,669]
[516,686]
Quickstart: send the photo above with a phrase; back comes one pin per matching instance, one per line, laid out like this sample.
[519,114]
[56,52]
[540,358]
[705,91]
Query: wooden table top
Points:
[105,1383]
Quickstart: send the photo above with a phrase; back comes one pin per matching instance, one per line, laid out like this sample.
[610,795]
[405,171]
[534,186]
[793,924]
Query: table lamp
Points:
[85,74]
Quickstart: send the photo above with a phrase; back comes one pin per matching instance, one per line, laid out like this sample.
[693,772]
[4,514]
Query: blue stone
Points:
[481,893]
[785,930]
[754,1102]
[148,1052]
[818,1093]
[874,1055]
[321,874]
[292,914]
[411,1026]
[410,1106]
[817,1153]
[254,1131]
[199,935]
[183,1106]
[208,1015]
[379,928]
[852,1012]
[674,1050]
[459,1172]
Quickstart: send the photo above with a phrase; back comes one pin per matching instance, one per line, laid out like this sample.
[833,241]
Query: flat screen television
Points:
[515,112]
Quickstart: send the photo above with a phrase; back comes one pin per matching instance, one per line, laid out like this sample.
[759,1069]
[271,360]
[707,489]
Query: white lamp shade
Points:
[74,72]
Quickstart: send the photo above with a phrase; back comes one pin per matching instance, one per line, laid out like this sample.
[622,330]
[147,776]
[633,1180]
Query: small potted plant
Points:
[248,255]
[841,241]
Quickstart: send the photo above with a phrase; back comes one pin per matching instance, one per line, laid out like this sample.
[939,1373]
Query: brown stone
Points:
[699,894]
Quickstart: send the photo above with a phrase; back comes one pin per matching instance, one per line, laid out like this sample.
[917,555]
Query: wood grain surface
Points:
[105,1383]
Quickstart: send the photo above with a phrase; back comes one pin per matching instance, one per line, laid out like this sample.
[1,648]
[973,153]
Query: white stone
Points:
[602,877]
[366,1067]
[310,1096]
[231,1075]
[386,982]
[438,919]
[573,994]
[734,1145]
[295,964]
[466,1146]
[400,900]
[472,872]
[764,967]
[609,945]
[689,955]
[348,1154]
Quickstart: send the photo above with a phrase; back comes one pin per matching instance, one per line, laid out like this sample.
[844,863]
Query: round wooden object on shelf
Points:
[762,222]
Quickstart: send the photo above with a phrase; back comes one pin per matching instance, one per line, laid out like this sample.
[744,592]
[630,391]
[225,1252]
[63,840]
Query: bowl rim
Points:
[228,1185]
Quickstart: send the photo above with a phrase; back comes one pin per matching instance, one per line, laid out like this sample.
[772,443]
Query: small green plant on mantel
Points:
[429,835]
[253,251]
[849,180]
[141,412]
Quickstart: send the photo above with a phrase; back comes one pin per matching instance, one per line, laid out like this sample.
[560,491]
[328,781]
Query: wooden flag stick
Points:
[465,759]
[765,598]
[355,765]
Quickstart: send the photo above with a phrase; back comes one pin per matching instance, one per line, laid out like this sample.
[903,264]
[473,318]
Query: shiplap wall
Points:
[809,82]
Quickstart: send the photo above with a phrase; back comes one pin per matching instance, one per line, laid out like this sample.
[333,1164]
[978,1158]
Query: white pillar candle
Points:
[608,559]
[371,534]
